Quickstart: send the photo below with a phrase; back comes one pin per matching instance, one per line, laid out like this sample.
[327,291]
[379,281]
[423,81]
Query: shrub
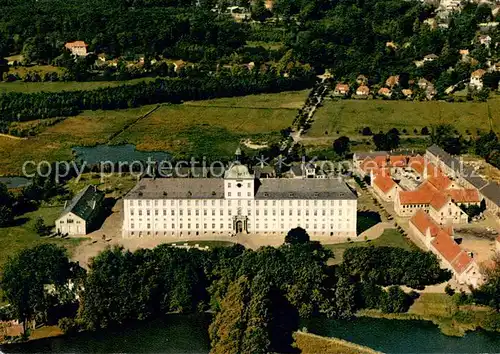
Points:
[449,290]
[68,325]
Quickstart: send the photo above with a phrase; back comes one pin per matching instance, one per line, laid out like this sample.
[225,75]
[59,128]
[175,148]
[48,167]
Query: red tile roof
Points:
[439,180]
[439,200]
[464,195]
[373,164]
[384,182]
[461,262]
[446,246]
[423,221]
[397,161]
[75,44]
[422,195]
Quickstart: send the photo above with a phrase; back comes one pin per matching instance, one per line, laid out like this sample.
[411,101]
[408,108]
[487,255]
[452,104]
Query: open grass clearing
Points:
[290,99]
[349,116]
[213,132]
[390,238]
[15,238]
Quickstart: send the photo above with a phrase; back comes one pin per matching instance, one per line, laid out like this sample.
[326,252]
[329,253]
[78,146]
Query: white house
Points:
[476,79]
[78,48]
[80,214]
[239,203]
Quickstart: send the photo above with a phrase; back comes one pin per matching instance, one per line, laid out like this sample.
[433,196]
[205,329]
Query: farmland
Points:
[347,117]
[205,127]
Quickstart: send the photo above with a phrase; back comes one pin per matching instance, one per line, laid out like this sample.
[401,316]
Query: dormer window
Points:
[266,194]
[239,185]
[165,194]
[290,195]
[213,193]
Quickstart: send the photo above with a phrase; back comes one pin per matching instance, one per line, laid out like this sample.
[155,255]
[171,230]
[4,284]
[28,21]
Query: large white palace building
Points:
[239,203]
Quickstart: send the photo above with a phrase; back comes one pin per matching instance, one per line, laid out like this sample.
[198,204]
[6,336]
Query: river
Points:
[188,334]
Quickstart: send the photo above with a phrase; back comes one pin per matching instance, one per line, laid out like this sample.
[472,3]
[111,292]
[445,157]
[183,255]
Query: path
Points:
[114,135]
[12,137]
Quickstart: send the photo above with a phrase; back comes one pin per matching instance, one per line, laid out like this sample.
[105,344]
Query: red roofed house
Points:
[440,242]
[445,211]
[363,90]
[78,48]
[384,186]
[341,90]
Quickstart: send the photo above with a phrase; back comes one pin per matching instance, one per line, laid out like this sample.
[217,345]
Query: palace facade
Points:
[239,203]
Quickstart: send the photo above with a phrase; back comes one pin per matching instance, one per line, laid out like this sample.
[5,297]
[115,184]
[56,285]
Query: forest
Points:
[257,297]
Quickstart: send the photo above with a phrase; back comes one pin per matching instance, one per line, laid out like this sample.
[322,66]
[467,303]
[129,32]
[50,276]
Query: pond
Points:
[188,334]
[403,336]
[174,334]
[94,155]
[15,182]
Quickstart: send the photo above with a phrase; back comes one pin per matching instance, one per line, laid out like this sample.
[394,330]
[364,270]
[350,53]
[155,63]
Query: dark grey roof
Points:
[178,188]
[364,155]
[213,188]
[492,192]
[467,172]
[85,202]
[297,170]
[309,188]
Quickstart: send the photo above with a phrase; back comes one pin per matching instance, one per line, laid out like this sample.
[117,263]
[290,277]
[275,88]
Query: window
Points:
[198,226]
[213,226]
[229,212]
[205,212]
[239,194]
[180,212]
[131,203]
[156,202]
[189,225]
[132,226]
[213,212]
[173,226]
[139,202]
[189,212]
[249,203]
[204,203]
[222,213]
[172,212]
[282,212]
[131,211]
[197,212]
[165,212]
[229,185]
[265,212]
[156,212]
[290,212]
[149,226]
[257,212]
[249,185]
[147,202]
[148,212]
[323,212]
[180,226]
[164,202]
[222,226]
[298,212]
[249,212]
[140,212]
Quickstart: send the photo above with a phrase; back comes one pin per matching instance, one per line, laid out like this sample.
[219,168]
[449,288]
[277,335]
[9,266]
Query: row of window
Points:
[230,226]
[229,212]
[198,202]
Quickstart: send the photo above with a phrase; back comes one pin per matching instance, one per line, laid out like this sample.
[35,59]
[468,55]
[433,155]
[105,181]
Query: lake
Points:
[188,334]
[15,182]
[403,336]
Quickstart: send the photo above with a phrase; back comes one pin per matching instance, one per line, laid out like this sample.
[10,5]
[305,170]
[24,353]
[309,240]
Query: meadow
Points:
[348,117]
[22,235]
[212,127]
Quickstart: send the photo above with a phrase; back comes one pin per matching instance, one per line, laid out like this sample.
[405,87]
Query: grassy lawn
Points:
[15,238]
[349,116]
[28,87]
[441,309]
[390,237]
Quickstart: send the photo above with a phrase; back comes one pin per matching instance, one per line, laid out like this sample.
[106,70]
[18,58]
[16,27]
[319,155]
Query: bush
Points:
[68,325]
[395,300]
[449,290]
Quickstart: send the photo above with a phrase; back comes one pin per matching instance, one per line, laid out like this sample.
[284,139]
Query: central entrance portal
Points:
[240,224]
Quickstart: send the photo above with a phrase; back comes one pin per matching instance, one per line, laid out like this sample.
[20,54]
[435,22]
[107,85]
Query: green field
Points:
[28,87]
[211,128]
[188,130]
[441,309]
[390,238]
[15,238]
[349,116]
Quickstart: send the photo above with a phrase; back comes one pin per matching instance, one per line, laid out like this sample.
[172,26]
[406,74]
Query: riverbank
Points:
[310,343]
[441,309]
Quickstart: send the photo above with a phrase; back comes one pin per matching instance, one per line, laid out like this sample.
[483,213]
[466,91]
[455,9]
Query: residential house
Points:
[363,90]
[78,48]
[341,90]
[392,81]
[384,91]
[362,80]
[81,213]
[476,79]
[407,93]
[485,40]
[430,57]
